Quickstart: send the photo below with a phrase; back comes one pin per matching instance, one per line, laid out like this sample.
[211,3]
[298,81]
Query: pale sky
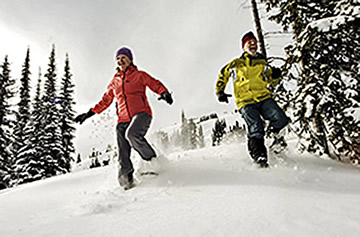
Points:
[184,44]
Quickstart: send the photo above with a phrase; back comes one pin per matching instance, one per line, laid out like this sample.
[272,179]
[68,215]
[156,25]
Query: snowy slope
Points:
[216,191]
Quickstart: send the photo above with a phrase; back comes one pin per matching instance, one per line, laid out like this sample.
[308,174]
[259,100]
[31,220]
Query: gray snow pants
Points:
[132,134]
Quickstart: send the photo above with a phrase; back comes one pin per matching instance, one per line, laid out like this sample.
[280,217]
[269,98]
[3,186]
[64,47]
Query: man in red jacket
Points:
[134,113]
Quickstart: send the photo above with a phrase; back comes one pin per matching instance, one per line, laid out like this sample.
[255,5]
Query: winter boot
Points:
[258,151]
[126,181]
[279,144]
[262,162]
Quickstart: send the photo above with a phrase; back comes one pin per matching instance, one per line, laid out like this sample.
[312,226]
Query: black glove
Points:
[82,117]
[276,72]
[167,97]
[223,97]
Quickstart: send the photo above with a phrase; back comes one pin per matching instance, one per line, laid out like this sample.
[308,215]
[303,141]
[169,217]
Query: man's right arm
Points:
[221,84]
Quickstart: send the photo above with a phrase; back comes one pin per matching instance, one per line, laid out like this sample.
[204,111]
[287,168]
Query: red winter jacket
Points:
[129,89]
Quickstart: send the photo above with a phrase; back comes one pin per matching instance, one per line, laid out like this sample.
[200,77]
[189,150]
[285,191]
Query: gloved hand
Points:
[82,117]
[276,72]
[167,97]
[223,97]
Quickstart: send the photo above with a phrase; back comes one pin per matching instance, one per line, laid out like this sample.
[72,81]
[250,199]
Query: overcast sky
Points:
[182,43]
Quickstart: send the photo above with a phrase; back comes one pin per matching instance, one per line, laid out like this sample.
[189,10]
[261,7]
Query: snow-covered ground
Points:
[215,191]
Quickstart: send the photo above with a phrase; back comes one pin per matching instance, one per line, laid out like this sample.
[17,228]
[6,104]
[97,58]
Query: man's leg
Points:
[255,127]
[136,135]
[271,111]
[278,120]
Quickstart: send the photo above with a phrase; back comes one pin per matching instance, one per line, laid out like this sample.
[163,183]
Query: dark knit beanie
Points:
[125,51]
[248,36]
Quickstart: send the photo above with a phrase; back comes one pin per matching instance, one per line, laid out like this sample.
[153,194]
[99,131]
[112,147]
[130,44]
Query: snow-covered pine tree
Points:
[201,138]
[78,159]
[67,114]
[50,139]
[23,114]
[192,134]
[185,132]
[37,105]
[326,37]
[335,41]
[24,167]
[94,157]
[218,132]
[6,122]
[29,166]
[292,15]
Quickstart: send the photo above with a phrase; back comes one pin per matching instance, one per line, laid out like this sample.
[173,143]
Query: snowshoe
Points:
[149,173]
[278,145]
[151,167]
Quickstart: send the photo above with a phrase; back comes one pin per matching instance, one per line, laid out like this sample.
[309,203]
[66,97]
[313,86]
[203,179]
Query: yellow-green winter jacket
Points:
[251,76]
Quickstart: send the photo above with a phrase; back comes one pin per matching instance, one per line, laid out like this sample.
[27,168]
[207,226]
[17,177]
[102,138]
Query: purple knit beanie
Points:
[125,51]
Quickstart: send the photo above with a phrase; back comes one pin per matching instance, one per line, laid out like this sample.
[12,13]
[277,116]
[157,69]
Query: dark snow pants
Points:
[253,114]
[267,109]
[132,134]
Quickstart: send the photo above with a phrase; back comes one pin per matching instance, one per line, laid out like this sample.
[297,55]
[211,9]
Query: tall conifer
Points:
[6,122]
[23,112]
[50,138]
[67,114]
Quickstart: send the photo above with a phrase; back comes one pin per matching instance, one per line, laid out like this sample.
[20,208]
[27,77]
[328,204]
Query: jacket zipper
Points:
[126,104]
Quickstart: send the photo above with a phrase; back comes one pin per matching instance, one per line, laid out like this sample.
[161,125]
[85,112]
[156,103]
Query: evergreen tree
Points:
[23,146]
[193,141]
[291,15]
[23,114]
[236,131]
[110,154]
[6,122]
[28,165]
[218,131]
[326,37]
[185,132]
[50,139]
[78,160]
[201,138]
[37,104]
[94,159]
[67,114]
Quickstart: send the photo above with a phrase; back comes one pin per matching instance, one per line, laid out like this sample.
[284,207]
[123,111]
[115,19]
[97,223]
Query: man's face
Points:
[123,61]
[251,47]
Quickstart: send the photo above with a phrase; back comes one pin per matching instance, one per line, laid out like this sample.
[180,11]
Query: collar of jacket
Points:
[131,68]
[256,56]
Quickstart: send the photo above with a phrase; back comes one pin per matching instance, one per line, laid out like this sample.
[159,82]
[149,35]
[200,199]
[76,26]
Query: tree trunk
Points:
[258,27]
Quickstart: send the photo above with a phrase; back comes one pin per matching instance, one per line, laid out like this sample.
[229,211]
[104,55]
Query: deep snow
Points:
[215,191]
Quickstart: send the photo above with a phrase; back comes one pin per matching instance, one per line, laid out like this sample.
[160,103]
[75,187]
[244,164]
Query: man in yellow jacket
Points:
[251,76]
